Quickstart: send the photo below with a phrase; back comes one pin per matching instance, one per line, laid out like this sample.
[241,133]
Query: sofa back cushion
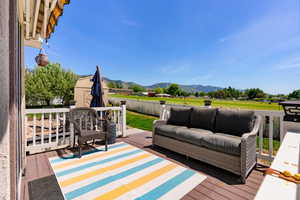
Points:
[180,116]
[203,118]
[234,122]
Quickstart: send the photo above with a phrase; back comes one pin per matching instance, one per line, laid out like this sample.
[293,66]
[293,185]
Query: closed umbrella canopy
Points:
[97,90]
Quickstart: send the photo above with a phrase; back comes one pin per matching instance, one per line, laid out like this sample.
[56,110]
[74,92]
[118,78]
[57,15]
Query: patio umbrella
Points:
[97,91]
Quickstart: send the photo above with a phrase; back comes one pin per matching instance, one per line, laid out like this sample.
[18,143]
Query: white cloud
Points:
[274,32]
[289,63]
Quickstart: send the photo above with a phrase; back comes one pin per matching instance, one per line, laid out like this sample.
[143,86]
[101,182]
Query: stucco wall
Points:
[4,101]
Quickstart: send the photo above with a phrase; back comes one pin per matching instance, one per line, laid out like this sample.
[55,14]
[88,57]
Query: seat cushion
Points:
[192,135]
[203,118]
[90,135]
[180,116]
[234,122]
[185,134]
[225,143]
[167,130]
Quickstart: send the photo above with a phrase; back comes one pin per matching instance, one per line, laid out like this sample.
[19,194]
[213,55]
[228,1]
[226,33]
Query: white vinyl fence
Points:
[272,122]
[49,129]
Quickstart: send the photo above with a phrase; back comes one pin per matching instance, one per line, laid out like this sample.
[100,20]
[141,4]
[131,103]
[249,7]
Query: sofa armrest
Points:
[248,148]
[254,131]
[157,123]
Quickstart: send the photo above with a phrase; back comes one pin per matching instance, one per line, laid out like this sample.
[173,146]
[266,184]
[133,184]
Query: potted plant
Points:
[42,59]
[207,102]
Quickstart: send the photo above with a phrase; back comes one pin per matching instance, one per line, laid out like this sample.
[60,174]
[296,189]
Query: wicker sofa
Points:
[221,137]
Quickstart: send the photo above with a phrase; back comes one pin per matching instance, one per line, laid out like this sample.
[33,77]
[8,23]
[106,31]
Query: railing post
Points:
[282,133]
[270,136]
[72,134]
[261,135]
[162,110]
[123,129]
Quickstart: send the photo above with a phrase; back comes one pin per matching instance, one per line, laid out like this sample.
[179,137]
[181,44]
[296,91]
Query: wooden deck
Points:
[219,184]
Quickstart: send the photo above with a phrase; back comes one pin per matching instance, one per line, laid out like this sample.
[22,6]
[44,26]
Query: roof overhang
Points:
[39,18]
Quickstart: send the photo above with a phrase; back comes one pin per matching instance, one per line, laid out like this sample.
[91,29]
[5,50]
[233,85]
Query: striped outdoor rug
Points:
[123,172]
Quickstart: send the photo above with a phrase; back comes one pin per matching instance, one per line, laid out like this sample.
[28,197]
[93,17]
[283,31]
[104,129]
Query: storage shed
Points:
[82,92]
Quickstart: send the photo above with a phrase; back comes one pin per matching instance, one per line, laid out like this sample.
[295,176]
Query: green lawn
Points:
[145,122]
[140,121]
[218,103]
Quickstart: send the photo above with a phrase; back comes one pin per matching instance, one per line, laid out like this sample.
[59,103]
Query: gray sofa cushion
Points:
[190,135]
[203,118]
[225,143]
[234,122]
[167,130]
[180,116]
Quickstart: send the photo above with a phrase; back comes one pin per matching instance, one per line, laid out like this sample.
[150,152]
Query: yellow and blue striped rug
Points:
[123,172]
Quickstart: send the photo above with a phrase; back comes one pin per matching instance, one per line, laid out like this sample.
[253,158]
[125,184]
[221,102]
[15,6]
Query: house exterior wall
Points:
[4,101]
[11,55]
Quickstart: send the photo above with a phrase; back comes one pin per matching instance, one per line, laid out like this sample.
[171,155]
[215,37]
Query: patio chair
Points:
[88,126]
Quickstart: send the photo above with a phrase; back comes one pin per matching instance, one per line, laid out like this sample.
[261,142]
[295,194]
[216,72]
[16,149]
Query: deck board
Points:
[219,184]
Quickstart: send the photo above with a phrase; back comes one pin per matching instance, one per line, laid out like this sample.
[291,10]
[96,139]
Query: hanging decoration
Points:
[42,59]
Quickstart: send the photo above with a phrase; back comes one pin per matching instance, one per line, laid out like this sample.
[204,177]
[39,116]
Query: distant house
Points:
[151,94]
[144,93]
[82,92]
[120,91]
[163,95]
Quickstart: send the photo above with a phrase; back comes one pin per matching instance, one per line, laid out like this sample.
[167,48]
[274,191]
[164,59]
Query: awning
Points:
[54,16]
[39,18]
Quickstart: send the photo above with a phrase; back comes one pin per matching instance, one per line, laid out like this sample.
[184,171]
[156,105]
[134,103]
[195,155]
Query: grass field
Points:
[217,103]
[145,122]
[140,121]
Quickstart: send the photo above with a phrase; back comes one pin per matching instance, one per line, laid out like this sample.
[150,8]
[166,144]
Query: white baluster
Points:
[50,127]
[261,135]
[270,137]
[282,134]
[57,126]
[34,129]
[42,128]
[64,127]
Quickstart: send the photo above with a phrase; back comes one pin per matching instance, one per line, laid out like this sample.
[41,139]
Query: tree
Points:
[184,93]
[253,93]
[119,85]
[158,90]
[294,95]
[43,84]
[202,94]
[137,88]
[111,85]
[173,89]
[231,92]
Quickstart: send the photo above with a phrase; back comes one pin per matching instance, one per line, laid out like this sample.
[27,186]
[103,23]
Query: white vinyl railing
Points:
[270,117]
[268,124]
[49,129]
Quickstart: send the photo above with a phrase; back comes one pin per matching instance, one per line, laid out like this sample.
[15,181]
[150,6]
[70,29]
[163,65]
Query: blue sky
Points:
[238,43]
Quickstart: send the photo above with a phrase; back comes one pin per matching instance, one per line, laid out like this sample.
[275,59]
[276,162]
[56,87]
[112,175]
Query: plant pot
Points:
[207,102]
[42,59]
[112,132]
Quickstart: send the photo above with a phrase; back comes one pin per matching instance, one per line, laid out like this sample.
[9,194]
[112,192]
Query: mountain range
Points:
[187,88]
